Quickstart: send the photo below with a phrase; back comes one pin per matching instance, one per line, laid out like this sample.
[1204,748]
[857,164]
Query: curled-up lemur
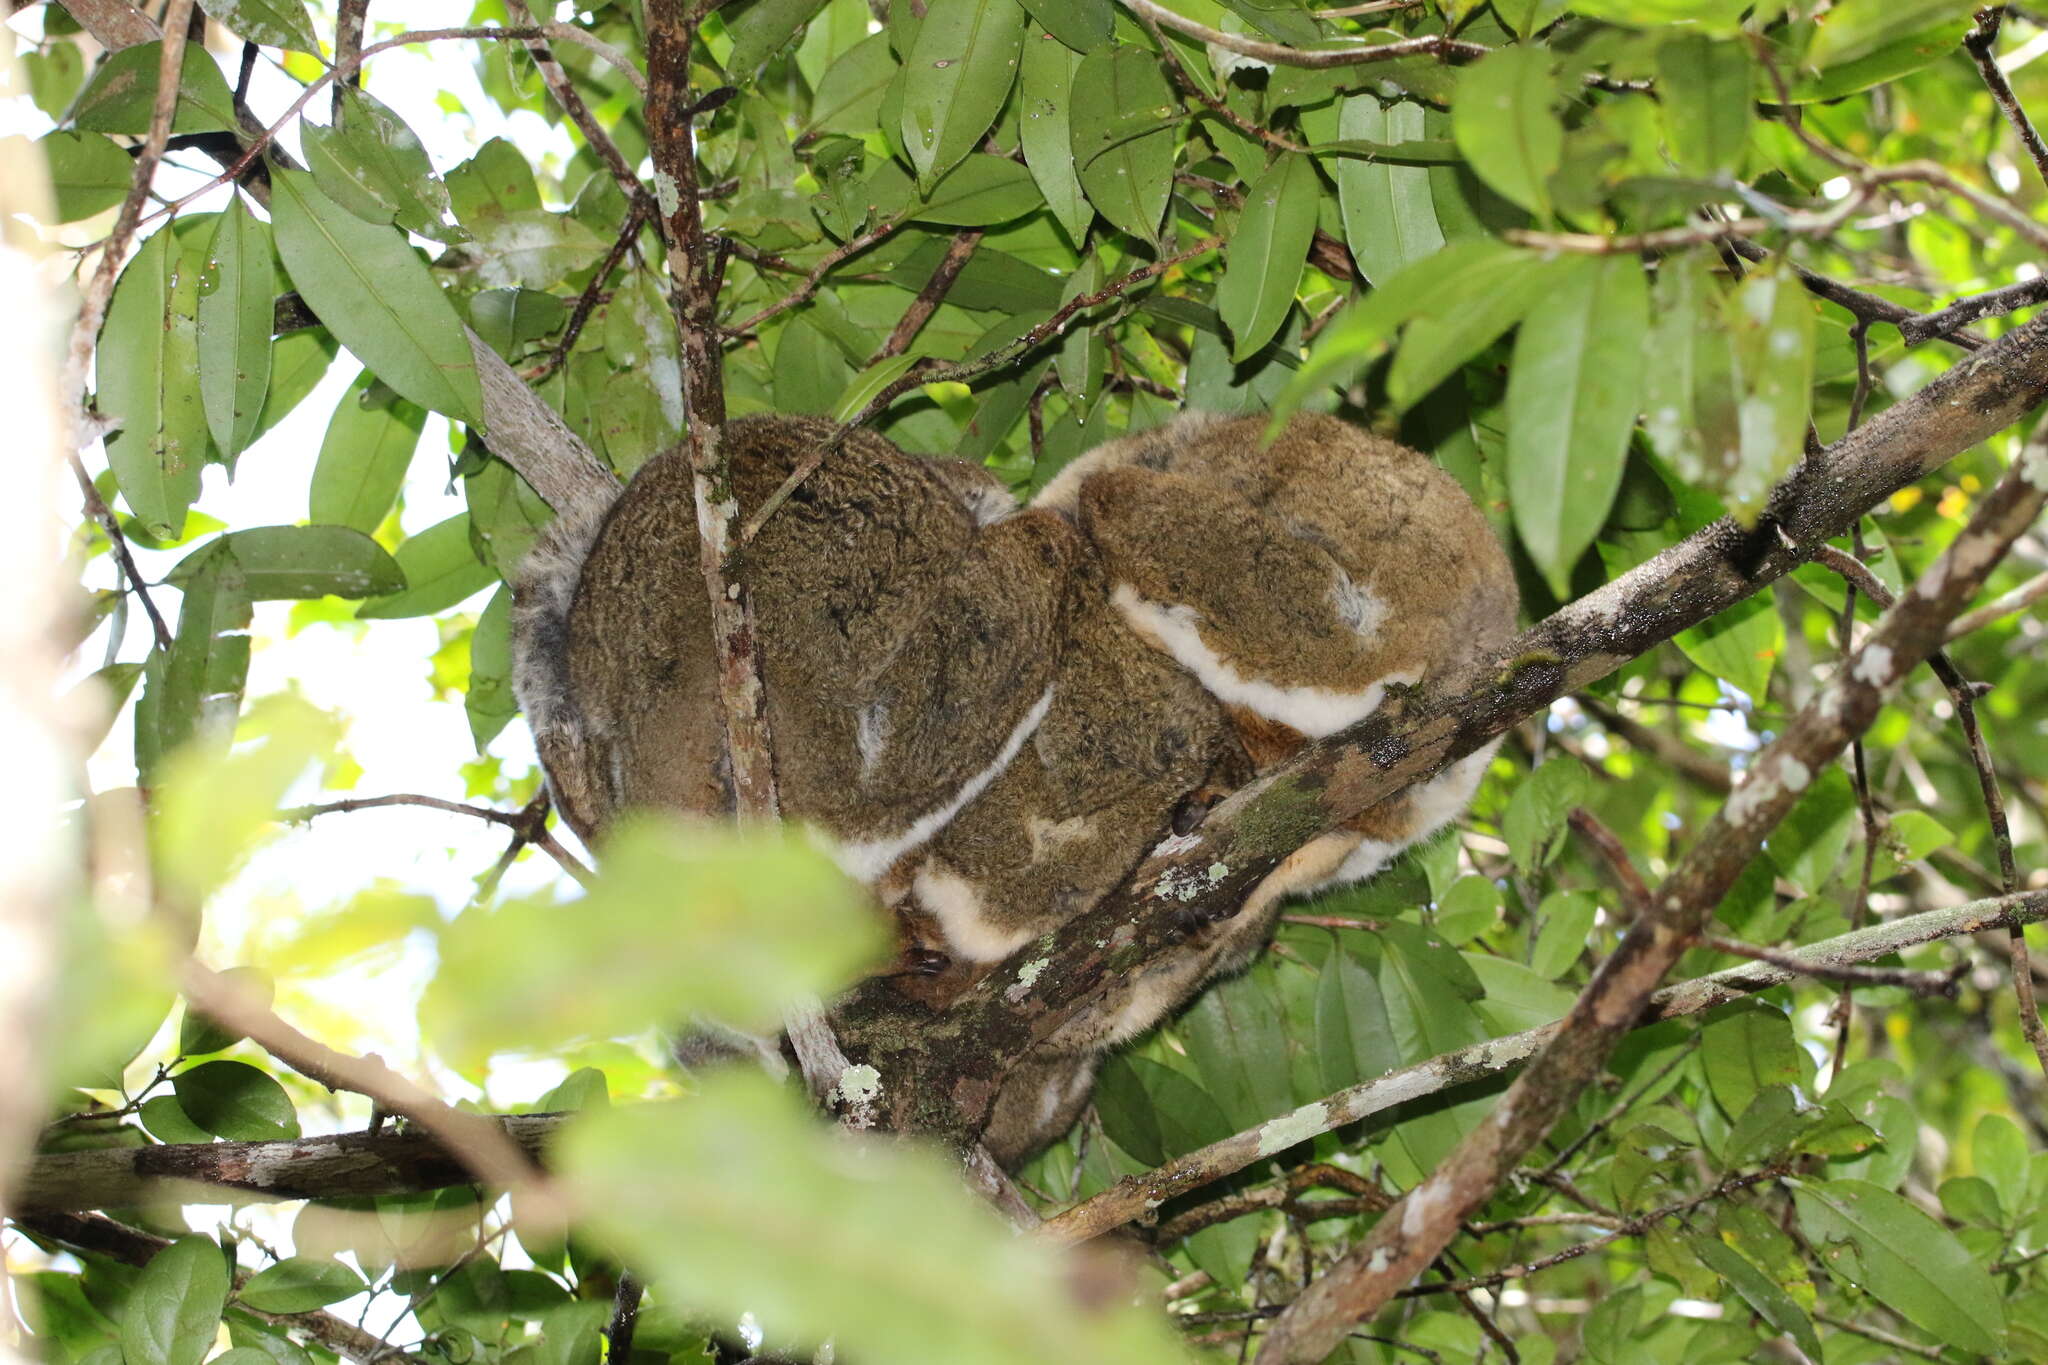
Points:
[990,714]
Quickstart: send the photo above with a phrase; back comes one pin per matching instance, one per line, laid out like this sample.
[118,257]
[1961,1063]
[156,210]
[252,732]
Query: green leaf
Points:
[199,1034]
[283,563]
[1718,18]
[489,703]
[505,516]
[495,182]
[1567,919]
[1082,25]
[1083,358]
[374,293]
[1746,1051]
[850,94]
[1770,321]
[1998,1152]
[237,296]
[1703,90]
[1503,122]
[298,362]
[1389,215]
[1264,259]
[509,318]
[1236,1035]
[299,1284]
[363,457]
[1807,845]
[956,78]
[717,1197]
[441,569]
[1118,91]
[373,165]
[1905,1259]
[268,23]
[1044,99]
[194,690]
[88,171]
[762,29]
[1463,312]
[148,377]
[236,1101]
[869,383]
[981,190]
[122,93]
[1573,390]
[1855,29]
[1901,56]
[1758,1290]
[165,1119]
[1534,823]
[810,371]
[1354,1038]
[770,921]
[1467,910]
[531,248]
[1740,646]
[173,1313]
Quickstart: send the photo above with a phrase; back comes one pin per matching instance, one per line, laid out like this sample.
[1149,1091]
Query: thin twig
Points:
[564,90]
[928,298]
[966,369]
[852,246]
[1635,893]
[586,302]
[1880,1336]
[2019,599]
[1433,45]
[618,1338]
[529,825]
[1993,303]
[1920,983]
[1979,42]
[96,508]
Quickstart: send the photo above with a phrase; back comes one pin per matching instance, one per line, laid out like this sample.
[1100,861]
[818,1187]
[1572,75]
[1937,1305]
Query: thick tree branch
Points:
[407,1162]
[1130,1197]
[1412,1234]
[1208,874]
[332,1167]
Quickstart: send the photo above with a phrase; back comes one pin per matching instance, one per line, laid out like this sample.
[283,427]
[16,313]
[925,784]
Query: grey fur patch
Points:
[541,599]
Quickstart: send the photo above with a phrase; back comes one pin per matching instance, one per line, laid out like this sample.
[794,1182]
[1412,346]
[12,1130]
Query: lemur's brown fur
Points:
[991,713]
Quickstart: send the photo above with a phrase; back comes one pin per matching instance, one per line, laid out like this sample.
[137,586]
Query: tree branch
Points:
[1130,1197]
[1398,1248]
[1207,875]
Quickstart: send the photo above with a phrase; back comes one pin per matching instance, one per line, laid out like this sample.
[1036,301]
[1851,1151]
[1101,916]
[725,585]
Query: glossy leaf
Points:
[194,690]
[1855,29]
[363,457]
[440,570]
[374,166]
[1704,95]
[299,1284]
[1746,1052]
[956,79]
[488,702]
[1044,102]
[237,295]
[1122,136]
[1264,259]
[271,23]
[1906,1259]
[122,93]
[1505,125]
[762,28]
[88,172]
[1573,391]
[1389,214]
[851,91]
[286,562]
[1458,313]
[1082,25]
[1770,319]
[373,292]
[199,1034]
[1759,1291]
[148,378]
[236,1101]
[173,1313]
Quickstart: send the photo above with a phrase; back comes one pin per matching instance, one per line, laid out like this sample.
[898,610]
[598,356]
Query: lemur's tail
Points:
[541,598]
